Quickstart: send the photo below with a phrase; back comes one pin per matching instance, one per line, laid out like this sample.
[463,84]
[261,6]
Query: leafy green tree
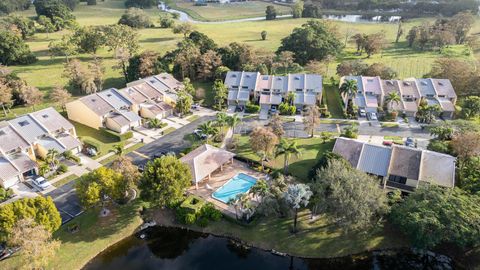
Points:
[63,47]
[183,28]
[166,20]
[89,39]
[427,113]
[56,10]
[14,50]
[24,25]
[221,92]
[202,41]
[184,103]
[442,132]
[41,209]
[353,205]
[135,18]
[143,65]
[120,36]
[471,107]
[276,124]
[303,42]
[207,64]
[323,161]
[9,6]
[117,149]
[154,123]
[60,96]
[233,121]
[46,24]
[131,175]
[165,180]
[100,185]
[297,196]
[432,215]
[297,9]
[270,13]
[287,149]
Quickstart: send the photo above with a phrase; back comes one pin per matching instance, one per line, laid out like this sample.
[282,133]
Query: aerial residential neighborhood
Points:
[142,134]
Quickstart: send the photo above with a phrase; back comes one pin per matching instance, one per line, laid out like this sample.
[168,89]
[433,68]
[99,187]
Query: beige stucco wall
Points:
[169,101]
[411,182]
[78,112]
[109,123]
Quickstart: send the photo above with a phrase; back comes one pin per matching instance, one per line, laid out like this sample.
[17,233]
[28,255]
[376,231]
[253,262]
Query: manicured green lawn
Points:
[105,142]
[125,151]
[334,101]
[95,235]
[168,130]
[310,149]
[389,125]
[219,12]
[66,180]
[192,118]
[319,238]
[204,93]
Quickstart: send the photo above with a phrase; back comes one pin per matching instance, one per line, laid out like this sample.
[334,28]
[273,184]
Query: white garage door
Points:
[11,182]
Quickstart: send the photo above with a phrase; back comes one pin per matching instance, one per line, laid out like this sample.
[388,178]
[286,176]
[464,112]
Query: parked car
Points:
[196,106]
[6,252]
[200,134]
[373,116]
[273,110]
[141,168]
[410,142]
[239,108]
[91,151]
[387,143]
[41,182]
[362,113]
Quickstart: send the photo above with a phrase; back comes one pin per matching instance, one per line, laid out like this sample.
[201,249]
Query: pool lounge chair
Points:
[208,187]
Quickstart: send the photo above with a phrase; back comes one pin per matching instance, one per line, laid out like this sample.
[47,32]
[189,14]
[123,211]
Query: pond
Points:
[170,248]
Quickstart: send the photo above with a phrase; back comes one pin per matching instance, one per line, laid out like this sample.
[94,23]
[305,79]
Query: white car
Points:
[362,113]
[373,116]
[41,182]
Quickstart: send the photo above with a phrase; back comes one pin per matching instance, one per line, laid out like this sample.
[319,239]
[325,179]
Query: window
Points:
[45,116]
[424,83]
[299,89]
[297,78]
[441,96]
[23,123]
[265,77]
[397,179]
[109,95]
[244,87]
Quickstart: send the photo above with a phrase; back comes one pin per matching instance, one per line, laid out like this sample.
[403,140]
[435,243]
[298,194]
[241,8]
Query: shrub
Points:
[252,108]
[117,136]
[135,18]
[93,144]
[5,194]
[190,219]
[202,222]
[166,22]
[349,132]
[140,3]
[62,168]
[440,146]
[286,109]
[219,137]
[209,211]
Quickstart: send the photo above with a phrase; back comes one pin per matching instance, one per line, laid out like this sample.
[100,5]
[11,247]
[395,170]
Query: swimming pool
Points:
[240,183]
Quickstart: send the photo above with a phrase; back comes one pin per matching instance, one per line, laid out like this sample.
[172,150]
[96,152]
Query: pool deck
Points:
[218,179]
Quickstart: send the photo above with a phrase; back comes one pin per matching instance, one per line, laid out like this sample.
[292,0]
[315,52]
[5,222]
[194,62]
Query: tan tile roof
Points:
[204,160]
[97,104]
[406,162]
[349,149]
[51,119]
[7,170]
[438,168]
[149,91]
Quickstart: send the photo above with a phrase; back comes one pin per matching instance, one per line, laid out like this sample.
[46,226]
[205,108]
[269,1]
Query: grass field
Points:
[220,12]
[66,180]
[318,238]
[47,72]
[95,235]
[310,149]
[110,159]
[104,141]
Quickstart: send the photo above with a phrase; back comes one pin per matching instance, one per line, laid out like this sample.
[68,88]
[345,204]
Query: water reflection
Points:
[181,249]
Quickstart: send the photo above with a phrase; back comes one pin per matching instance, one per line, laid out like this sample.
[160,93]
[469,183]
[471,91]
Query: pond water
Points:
[170,248]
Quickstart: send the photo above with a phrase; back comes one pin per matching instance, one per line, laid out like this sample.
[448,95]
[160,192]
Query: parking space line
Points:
[140,154]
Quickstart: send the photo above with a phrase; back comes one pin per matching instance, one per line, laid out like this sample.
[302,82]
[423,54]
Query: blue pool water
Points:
[239,184]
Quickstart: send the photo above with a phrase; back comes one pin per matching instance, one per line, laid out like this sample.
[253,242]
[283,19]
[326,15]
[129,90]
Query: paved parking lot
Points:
[66,201]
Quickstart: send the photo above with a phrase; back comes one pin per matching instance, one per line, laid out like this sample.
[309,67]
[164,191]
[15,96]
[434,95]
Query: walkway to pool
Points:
[220,177]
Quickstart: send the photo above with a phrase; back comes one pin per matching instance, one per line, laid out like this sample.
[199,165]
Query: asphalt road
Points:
[172,142]
[66,199]
[296,129]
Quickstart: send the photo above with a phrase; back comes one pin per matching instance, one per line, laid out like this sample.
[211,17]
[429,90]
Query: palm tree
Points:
[208,129]
[392,97]
[117,150]
[260,189]
[349,88]
[222,119]
[291,97]
[154,123]
[51,158]
[235,202]
[287,148]
[233,121]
